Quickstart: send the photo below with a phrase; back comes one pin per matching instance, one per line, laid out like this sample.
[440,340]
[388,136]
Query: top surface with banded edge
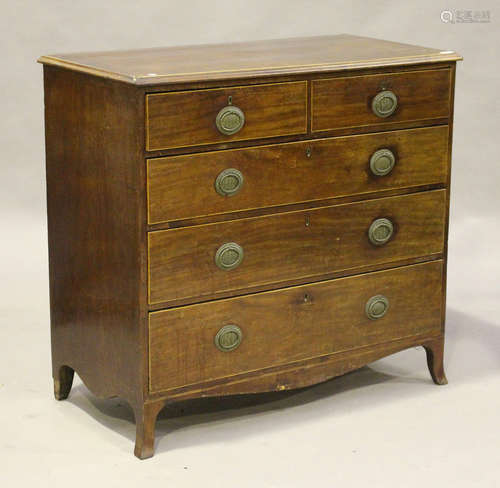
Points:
[188,64]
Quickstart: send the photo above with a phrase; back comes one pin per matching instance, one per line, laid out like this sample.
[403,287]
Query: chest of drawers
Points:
[241,218]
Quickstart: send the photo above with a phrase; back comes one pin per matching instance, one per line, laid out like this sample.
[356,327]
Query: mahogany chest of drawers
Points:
[241,218]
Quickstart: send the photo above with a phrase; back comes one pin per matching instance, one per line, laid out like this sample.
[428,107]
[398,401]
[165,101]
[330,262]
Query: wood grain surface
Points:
[96,229]
[292,245]
[346,102]
[294,324]
[188,118]
[134,221]
[291,173]
[298,374]
[190,64]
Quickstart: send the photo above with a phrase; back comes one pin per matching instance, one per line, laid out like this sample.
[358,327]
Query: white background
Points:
[386,425]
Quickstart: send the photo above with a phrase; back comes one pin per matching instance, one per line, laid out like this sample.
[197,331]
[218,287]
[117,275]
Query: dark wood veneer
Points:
[283,326]
[346,102]
[96,225]
[294,173]
[187,118]
[131,163]
[287,246]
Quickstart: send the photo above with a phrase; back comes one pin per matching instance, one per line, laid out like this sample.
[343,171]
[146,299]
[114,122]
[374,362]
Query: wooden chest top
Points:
[189,64]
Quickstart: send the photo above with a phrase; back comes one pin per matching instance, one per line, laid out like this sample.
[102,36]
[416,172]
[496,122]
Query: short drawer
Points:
[381,100]
[204,342]
[242,179]
[203,261]
[198,117]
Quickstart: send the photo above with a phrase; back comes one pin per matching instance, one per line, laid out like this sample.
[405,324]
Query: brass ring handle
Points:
[229,182]
[229,256]
[228,338]
[230,120]
[382,162]
[384,103]
[380,231]
[376,307]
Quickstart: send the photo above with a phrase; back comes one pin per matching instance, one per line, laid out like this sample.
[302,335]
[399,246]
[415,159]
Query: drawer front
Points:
[203,342]
[339,103]
[192,118]
[243,179]
[206,260]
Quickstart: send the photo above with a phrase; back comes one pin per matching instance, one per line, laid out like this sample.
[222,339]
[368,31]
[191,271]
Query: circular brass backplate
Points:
[228,338]
[382,162]
[229,182]
[376,307]
[229,256]
[230,120]
[380,231]
[384,103]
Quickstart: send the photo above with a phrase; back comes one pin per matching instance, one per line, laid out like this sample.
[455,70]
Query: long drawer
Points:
[202,261]
[198,117]
[182,187]
[203,342]
[380,100]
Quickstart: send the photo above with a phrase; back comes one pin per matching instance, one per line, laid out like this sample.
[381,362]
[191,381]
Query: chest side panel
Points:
[96,229]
